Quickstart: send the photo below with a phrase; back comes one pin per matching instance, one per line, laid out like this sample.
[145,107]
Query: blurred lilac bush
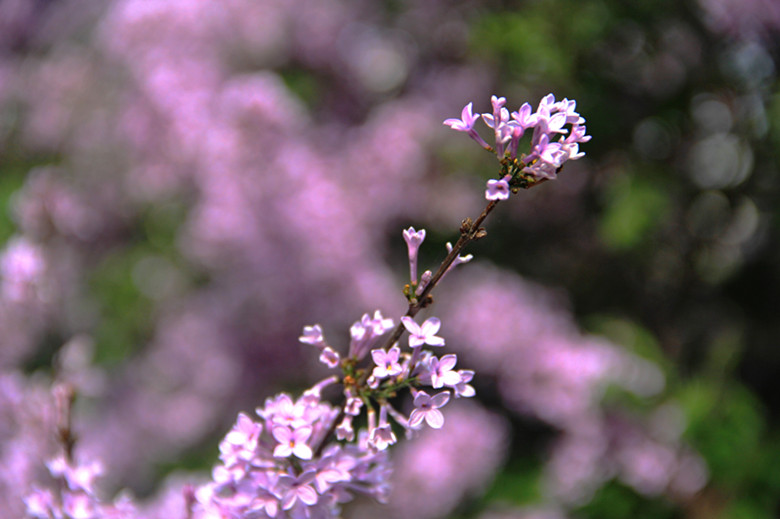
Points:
[177,148]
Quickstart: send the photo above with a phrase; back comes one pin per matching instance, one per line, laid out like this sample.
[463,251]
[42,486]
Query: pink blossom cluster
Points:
[270,468]
[546,156]
[392,372]
[303,458]
[292,463]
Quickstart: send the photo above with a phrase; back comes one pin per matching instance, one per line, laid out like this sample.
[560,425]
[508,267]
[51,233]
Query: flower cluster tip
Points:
[558,130]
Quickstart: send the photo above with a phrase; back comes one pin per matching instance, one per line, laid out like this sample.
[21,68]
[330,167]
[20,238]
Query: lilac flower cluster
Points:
[546,156]
[270,468]
[288,465]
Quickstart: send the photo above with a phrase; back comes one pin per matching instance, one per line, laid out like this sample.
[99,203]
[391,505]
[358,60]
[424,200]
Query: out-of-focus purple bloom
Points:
[330,357]
[22,269]
[429,481]
[312,335]
[78,477]
[75,495]
[264,502]
[353,405]
[381,436]
[40,503]
[344,430]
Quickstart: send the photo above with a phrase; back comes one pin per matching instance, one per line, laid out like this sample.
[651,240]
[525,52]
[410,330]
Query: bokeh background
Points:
[185,184]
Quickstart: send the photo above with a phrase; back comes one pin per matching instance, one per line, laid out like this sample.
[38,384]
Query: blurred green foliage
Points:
[124,322]
[615,501]
[634,207]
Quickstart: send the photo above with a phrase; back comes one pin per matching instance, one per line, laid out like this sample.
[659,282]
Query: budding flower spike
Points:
[552,142]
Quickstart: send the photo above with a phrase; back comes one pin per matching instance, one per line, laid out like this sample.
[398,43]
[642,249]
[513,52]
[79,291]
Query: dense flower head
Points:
[276,468]
[557,132]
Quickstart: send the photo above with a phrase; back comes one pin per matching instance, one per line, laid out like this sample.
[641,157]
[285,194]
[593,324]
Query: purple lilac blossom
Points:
[466,124]
[424,333]
[278,476]
[426,408]
[387,362]
[497,189]
[413,241]
[438,372]
[546,155]
[366,333]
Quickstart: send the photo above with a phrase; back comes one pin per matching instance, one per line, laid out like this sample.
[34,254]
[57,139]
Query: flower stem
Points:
[469,231]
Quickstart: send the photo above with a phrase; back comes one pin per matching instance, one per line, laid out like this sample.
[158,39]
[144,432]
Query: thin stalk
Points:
[470,231]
